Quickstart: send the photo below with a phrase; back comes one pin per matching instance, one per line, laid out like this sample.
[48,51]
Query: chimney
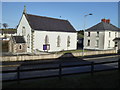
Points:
[103,20]
[108,21]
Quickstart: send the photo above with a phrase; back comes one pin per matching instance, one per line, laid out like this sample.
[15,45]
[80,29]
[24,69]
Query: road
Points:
[55,63]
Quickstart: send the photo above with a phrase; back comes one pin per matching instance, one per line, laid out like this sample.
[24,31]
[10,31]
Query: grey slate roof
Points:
[18,39]
[102,26]
[49,24]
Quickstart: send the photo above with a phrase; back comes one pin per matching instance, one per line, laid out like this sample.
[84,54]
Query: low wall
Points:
[52,56]
[94,53]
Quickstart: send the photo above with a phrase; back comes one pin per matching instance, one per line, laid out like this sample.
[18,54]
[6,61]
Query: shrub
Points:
[119,51]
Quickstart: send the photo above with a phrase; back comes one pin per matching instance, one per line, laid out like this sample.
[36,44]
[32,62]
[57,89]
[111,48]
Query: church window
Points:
[28,40]
[20,47]
[68,41]
[58,41]
[46,39]
[23,31]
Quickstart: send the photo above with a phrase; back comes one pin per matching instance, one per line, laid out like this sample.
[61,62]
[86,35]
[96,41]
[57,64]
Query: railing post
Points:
[18,74]
[60,71]
[92,68]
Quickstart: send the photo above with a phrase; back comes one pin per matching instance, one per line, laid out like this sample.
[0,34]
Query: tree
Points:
[5,25]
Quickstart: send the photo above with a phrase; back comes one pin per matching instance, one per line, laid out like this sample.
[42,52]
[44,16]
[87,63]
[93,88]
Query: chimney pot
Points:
[103,20]
[108,21]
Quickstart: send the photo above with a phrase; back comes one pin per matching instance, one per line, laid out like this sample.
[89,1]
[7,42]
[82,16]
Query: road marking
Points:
[99,57]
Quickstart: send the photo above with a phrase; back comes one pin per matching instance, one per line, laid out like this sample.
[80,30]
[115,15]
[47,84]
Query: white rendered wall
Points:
[103,40]
[24,23]
[107,38]
[39,40]
[93,37]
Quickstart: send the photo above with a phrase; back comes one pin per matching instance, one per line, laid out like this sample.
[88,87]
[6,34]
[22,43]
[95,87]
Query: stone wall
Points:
[52,56]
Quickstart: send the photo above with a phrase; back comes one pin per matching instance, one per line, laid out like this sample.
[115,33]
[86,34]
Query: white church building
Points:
[48,34]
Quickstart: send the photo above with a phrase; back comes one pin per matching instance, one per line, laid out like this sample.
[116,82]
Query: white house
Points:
[100,36]
[117,44]
[5,34]
[46,34]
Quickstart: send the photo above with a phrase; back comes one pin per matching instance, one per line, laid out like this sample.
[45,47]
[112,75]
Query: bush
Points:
[119,51]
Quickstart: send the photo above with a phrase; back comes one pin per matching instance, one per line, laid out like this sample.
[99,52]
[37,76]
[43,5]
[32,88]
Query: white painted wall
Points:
[39,40]
[24,23]
[93,37]
[107,38]
[103,40]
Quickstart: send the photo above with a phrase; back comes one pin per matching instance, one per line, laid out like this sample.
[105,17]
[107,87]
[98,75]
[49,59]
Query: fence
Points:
[60,68]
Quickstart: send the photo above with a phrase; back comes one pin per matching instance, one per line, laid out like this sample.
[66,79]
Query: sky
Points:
[74,12]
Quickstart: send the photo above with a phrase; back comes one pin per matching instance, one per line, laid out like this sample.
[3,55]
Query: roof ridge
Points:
[46,17]
[104,26]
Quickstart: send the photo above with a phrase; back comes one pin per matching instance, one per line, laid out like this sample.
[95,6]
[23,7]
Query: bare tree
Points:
[5,25]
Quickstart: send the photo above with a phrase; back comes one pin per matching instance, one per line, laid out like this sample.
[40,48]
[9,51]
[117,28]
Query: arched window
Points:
[23,31]
[20,47]
[68,41]
[28,40]
[46,39]
[58,41]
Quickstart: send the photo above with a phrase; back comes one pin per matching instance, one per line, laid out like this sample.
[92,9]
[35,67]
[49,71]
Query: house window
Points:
[97,34]
[109,34]
[20,47]
[46,39]
[115,34]
[97,43]
[88,44]
[58,41]
[116,44]
[68,41]
[109,44]
[28,40]
[23,31]
[88,34]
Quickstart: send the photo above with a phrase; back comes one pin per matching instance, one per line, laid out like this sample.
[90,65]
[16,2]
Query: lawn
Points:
[108,79]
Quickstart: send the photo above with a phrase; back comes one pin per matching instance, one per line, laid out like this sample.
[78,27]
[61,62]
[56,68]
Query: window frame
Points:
[88,43]
[46,39]
[20,47]
[98,33]
[97,43]
[109,43]
[88,34]
[23,31]
[109,34]
[68,41]
[28,41]
[58,41]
